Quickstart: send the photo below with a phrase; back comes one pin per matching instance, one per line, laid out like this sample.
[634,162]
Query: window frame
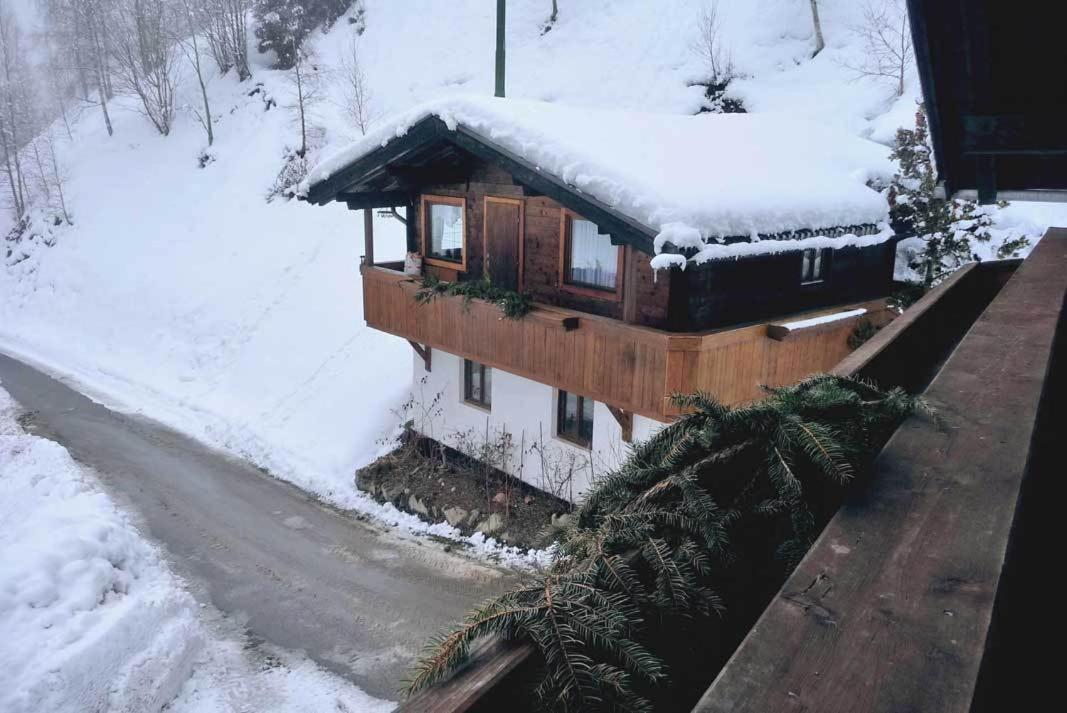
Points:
[486,402]
[824,258]
[566,219]
[426,206]
[584,403]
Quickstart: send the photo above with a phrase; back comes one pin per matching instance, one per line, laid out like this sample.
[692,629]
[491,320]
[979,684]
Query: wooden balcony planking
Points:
[626,366]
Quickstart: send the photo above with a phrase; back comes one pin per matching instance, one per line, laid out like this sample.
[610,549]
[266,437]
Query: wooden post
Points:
[626,423]
[500,12]
[368,235]
[426,352]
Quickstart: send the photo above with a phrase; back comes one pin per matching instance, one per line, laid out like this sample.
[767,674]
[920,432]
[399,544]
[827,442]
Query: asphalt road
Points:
[359,600]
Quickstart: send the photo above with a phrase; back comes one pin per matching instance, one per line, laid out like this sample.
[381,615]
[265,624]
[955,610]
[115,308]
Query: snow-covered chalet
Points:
[663,254]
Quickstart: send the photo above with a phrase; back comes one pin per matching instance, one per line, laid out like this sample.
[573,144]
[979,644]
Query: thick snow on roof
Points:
[692,179]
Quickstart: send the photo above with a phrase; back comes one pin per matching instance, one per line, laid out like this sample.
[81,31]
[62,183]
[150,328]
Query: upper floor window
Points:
[574,419]
[444,232]
[813,265]
[477,384]
[590,261]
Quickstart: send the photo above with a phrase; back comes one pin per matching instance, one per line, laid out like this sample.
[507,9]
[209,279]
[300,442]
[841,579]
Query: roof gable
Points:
[659,182]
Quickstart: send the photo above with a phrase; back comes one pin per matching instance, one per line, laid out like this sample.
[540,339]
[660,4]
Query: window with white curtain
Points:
[813,266]
[592,261]
[445,232]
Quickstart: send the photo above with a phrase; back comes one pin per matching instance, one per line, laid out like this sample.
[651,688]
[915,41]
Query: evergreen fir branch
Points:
[709,504]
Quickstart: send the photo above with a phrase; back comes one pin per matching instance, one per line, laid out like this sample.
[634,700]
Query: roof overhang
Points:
[992,79]
[377,180]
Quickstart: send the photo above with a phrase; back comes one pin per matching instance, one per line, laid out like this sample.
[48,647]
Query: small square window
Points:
[813,265]
[590,259]
[444,229]
[477,384]
[574,419]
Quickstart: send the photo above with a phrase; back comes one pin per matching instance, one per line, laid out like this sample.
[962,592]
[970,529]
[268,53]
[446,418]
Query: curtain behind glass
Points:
[594,260]
[446,231]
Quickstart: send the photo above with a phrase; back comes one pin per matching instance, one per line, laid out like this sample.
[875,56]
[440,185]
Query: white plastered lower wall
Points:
[526,411]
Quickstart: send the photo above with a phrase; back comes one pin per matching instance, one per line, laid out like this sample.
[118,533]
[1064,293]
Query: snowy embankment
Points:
[93,619]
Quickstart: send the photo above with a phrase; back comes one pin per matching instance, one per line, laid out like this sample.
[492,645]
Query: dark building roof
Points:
[993,75]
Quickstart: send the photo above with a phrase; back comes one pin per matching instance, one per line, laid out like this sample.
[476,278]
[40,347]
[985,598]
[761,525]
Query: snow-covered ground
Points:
[181,293]
[94,620]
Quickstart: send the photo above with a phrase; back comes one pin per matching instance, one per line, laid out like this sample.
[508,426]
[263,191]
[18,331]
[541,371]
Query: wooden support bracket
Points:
[426,352]
[626,422]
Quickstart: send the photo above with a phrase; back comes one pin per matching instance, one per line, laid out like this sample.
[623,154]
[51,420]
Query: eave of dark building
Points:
[994,101]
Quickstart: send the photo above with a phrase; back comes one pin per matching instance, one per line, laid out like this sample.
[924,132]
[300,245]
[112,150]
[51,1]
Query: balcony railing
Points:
[626,366]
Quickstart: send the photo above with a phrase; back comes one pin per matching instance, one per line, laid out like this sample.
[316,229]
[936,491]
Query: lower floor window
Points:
[574,421]
[477,383]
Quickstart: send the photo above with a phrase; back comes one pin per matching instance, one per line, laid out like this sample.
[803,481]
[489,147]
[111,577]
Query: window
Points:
[477,384]
[813,266]
[444,234]
[574,421]
[590,261]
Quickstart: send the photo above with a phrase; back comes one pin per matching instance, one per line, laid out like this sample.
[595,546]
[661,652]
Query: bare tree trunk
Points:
[98,68]
[820,44]
[57,176]
[191,47]
[103,99]
[42,176]
[905,52]
[16,203]
[298,73]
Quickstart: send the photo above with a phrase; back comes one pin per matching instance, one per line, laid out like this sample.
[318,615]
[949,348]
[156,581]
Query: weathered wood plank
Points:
[891,608]
[489,665]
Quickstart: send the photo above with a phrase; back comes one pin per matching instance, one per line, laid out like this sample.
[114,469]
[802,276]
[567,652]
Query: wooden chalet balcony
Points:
[629,367]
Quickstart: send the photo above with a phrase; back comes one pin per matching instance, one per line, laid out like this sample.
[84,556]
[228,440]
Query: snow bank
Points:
[690,178]
[92,620]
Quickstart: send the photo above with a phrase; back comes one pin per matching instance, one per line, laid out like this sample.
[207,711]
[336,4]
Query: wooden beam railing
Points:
[893,608]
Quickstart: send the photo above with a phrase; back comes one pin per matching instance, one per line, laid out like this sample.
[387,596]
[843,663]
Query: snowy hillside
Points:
[181,292]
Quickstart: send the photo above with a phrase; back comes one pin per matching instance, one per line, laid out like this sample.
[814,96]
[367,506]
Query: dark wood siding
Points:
[730,292]
[541,251]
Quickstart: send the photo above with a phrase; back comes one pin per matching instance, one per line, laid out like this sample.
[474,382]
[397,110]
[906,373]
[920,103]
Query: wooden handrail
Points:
[892,608]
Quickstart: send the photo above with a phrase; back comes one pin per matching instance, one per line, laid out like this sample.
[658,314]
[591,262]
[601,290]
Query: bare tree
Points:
[144,58]
[887,42]
[14,104]
[358,100]
[820,43]
[709,46]
[94,16]
[195,20]
[227,34]
[304,78]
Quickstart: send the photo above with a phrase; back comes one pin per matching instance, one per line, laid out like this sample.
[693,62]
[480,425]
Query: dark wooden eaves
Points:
[345,184]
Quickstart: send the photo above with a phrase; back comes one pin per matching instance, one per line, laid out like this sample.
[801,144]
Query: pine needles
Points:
[711,509]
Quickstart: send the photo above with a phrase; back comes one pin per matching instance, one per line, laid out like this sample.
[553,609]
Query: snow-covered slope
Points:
[179,291]
[94,620]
